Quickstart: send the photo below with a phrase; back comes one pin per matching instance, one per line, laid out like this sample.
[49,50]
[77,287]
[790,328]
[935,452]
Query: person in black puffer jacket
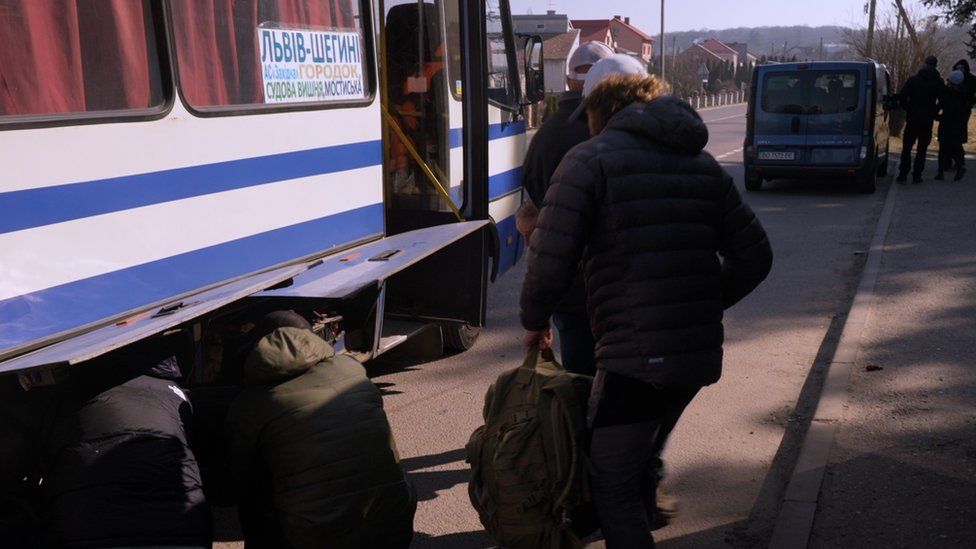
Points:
[667,244]
[919,96]
[953,118]
[118,469]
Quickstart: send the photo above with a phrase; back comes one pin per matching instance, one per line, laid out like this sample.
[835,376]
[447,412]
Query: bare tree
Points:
[891,45]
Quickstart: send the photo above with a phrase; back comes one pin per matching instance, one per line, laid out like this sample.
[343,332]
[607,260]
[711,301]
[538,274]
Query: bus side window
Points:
[73,57]
[258,52]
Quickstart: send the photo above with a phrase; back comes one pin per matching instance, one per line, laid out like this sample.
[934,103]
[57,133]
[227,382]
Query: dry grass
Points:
[969,147]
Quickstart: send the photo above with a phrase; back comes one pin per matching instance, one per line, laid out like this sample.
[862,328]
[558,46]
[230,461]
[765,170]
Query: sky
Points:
[684,15]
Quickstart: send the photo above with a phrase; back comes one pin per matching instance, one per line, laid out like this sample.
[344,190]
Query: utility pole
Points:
[674,60]
[909,26]
[821,49]
[663,55]
[870,41]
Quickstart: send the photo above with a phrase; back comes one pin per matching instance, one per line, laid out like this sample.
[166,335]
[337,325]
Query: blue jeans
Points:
[576,345]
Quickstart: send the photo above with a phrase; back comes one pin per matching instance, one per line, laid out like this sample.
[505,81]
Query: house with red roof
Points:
[617,33]
[721,50]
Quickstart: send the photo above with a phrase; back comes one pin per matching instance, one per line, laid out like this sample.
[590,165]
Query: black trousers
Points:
[631,424]
[922,135]
[951,154]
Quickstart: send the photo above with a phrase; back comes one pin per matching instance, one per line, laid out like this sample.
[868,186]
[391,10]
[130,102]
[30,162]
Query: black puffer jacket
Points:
[953,115]
[920,96]
[968,84]
[653,213]
[119,468]
[554,139]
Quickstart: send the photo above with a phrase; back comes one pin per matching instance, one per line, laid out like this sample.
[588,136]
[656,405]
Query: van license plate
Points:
[776,155]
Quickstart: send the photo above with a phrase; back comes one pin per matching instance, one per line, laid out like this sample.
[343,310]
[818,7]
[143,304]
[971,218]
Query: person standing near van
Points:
[666,244]
[311,448]
[953,120]
[554,139]
[969,91]
[919,96]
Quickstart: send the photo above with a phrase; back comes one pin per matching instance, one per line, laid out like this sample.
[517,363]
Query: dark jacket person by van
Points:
[118,467]
[919,96]
[312,450]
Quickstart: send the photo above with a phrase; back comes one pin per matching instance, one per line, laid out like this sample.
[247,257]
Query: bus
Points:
[170,167]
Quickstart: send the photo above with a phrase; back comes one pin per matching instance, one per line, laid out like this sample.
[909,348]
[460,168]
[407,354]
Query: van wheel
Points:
[753,183]
[868,183]
[459,337]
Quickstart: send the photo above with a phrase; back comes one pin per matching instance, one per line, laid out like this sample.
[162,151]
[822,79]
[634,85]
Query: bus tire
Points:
[753,183]
[459,337]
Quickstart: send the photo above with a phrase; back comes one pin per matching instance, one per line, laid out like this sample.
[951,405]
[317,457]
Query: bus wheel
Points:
[753,183]
[459,337]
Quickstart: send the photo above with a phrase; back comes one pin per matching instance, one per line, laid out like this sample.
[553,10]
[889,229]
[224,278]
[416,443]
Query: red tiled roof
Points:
[636,30]
[591,29]
[716,46]
[703,50]
[559,46]
[596,29]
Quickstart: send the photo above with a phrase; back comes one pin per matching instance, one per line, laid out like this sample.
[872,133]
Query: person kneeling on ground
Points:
[118,470]
[666,244]
[311,449]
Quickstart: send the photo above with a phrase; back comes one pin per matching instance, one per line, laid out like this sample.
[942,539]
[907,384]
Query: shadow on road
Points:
[429,483]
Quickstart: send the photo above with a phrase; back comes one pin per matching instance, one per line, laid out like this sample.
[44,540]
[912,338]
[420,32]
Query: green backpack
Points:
[530,474]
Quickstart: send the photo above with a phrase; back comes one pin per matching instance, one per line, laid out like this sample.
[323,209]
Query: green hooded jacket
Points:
[316,423]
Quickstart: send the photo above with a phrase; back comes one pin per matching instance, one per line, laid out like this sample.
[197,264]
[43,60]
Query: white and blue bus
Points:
[167,164]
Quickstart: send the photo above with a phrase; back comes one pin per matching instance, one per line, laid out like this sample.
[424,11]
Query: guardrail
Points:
[716,99]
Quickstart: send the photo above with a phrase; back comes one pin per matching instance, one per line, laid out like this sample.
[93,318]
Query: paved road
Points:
[726,459]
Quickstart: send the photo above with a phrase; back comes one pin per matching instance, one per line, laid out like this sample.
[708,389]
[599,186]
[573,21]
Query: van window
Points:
[811,92]
[74,56]
[260,52]
[783,93]
[834,93]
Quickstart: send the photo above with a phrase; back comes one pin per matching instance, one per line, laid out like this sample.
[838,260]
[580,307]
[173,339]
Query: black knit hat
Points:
[932,61]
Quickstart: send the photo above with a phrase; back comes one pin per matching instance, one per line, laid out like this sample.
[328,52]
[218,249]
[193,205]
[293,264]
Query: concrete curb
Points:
[794,524]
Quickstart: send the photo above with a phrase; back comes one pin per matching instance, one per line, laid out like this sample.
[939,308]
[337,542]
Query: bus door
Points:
[425,107]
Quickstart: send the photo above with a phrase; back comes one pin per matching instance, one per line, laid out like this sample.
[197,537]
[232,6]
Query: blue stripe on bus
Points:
[37,207]
[43,206]
[495,131]
[68,306]
[504,183]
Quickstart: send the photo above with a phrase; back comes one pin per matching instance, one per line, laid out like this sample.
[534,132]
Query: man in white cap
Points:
[553,140]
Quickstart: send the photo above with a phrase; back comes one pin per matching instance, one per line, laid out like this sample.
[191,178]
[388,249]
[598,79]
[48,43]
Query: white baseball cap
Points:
[617,63]
[587,53]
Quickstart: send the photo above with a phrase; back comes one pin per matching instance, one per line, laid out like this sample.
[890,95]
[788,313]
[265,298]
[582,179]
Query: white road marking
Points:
[728,154]
[741,115]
